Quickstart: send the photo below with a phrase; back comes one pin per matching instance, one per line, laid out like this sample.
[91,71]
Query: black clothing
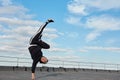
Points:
[36,44]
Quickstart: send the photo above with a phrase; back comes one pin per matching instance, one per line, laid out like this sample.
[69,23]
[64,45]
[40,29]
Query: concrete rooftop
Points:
[44,73]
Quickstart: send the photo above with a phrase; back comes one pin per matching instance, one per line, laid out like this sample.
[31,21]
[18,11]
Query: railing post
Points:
[78,65]
[104,66]
[63,63]
[17,61]
[117,67]
[91,65]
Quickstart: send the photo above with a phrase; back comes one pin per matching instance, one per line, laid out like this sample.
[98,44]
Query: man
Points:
[36,44]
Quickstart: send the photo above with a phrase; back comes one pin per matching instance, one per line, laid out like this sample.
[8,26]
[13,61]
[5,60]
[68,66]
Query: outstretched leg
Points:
[38,35]
[44,45]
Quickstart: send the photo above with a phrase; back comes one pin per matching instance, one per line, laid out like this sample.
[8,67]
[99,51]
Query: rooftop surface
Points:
[58,74]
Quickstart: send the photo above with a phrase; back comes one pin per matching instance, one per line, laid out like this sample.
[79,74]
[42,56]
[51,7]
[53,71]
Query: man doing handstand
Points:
[36,44]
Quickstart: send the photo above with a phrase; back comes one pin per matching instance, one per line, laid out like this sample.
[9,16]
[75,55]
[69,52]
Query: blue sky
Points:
[84,30]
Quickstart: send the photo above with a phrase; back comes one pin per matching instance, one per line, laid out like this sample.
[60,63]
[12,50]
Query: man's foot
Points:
[50,20]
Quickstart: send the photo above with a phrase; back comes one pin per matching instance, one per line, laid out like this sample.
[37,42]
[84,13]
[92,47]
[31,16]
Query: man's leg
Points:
[44,45]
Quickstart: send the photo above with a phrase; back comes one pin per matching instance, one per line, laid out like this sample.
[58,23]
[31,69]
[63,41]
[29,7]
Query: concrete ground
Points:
[60,75]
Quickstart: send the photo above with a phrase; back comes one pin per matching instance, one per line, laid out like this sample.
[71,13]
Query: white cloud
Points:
[77,9]
[111,41]
[50,36]
[50,30]
[83,50]
[50,33]
[1,27]
[102,4]
[99,23]
[114,49]
[73,20]
[17,27]
[15,21]
[92,36]
[65,50]
[11,10]
[85,7]
[103,23]
[73,34]
[65,58]
[18,38]
[5,2]
[6,36]
[13,49]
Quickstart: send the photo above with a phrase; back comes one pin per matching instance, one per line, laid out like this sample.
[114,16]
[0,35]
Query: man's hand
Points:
[33,76]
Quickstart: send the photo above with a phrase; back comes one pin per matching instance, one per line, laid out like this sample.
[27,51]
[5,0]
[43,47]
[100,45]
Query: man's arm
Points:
[33,76]
[33,69]
[34,66]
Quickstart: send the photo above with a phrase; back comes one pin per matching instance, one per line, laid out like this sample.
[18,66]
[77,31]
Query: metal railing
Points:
[27,62]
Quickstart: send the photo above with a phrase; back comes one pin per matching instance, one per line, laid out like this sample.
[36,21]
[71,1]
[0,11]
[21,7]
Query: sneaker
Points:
[50,20]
